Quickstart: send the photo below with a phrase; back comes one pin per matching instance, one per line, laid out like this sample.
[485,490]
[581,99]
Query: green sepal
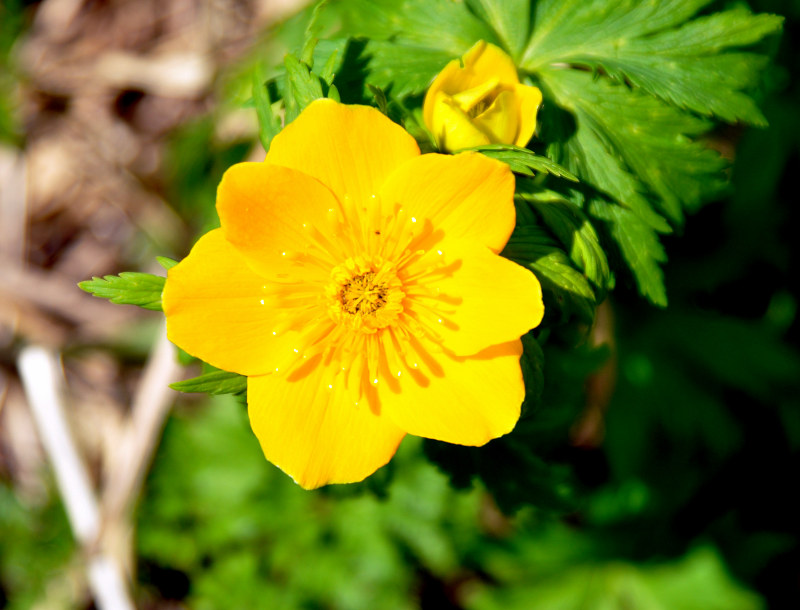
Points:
[523,161]
[128,288]
[214,382]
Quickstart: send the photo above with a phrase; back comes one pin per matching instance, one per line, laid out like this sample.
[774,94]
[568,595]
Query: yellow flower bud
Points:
[481,102]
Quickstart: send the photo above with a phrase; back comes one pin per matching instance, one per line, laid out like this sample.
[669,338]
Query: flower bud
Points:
[480,102]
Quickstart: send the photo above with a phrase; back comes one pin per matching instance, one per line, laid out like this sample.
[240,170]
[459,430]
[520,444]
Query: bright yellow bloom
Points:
[357,285]
[480,103]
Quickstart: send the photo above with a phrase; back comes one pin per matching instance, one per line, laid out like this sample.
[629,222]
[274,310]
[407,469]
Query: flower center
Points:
[365,294]
[479,108]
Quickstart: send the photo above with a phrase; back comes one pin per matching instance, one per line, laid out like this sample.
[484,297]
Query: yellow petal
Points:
[500,120]
[463,400]
[487,61]
[452,128]
[529,99]
[350,149]
[445,83]
[217,310]
[268,212]
[464,196]
[314,433]
[483,298]
[467,100]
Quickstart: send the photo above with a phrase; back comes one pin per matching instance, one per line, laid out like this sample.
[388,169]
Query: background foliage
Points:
[656,459]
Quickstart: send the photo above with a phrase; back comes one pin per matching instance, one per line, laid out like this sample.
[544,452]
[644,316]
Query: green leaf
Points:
[639,246]
[269,124]
[330,54]
[650,45]
[523,161]
[329,69]
[696,581]
[566,291]
[413,22]
[510,19]
[402,46]
[403,69]
[740,354]
[568,223]
[128,288]
[532,364]
[380,98]
[166,262]
[302,87]
[630,145]
[214,382]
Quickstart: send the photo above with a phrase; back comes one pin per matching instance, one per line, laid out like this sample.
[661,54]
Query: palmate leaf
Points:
[403,47]
[431,24]
[629,144]
[510,20]
[403,69]
[650,45]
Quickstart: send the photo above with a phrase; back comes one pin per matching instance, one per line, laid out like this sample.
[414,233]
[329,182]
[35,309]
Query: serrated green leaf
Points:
[403,69]
[566,291]
[626,143]
[214,382]
[128,288]
[637,42]
[523,161]
[413,22]
[329,69]
[330,54]
[532,364]
[568,223]
[510,19]
[639,246]
[402,48]
[307,52]
[269,124]
[302,87]
[380,98]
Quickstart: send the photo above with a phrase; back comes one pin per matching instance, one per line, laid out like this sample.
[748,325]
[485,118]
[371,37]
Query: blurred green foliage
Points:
[12,23]
[685,501]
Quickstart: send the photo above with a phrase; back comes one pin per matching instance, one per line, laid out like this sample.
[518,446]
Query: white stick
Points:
[151,404]
[41,378]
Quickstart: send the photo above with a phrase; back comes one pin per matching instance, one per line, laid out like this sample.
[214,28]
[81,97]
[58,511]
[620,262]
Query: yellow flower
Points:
[480,103]
[356,283]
